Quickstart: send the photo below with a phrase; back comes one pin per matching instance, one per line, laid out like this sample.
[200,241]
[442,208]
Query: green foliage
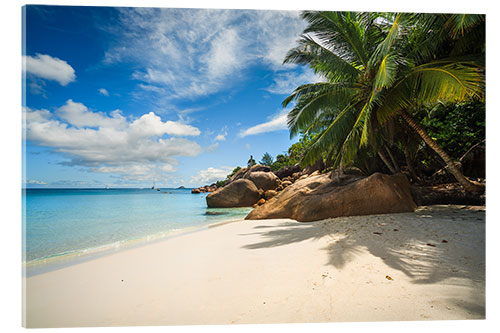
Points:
[221,183]
[376,65]
[235,170]
[281,161]
[295,153]
[456,127]
[267,159]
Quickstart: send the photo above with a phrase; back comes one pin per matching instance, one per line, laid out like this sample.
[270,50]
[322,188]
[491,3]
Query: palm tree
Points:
[267,159]
[376,66]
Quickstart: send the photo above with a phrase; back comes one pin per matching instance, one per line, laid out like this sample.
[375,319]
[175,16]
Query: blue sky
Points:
[130,96]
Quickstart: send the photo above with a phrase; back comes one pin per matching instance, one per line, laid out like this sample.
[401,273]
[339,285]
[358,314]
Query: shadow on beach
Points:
[434,244]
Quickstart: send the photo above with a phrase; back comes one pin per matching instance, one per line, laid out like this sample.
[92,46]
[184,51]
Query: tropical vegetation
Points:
[380,72]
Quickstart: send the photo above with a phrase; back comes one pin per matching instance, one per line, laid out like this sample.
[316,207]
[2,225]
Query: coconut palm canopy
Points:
[377,65]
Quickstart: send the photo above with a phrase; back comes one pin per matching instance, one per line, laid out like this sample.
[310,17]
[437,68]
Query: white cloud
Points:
[49,68]
[225,54]
[222,135]
[138,172]
[195,52]
[286,82]
[213,147]
[140,149]
[35,182]
[151,125]
[277,123]
[211,175]
[104,92]
[79,115]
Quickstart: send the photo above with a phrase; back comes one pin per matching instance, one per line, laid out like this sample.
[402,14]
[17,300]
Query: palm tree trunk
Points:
[394,163]
[409,164]
[337,173]
[450,165]
[386,161]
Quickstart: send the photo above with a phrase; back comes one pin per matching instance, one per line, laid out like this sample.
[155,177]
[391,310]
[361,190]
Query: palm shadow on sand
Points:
[429,246]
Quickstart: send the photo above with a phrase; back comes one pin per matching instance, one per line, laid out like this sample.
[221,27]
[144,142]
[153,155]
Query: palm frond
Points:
[458,24]
[386,72]
[338,29]
[434,82]
[382,50]
[321,60]
[332,137]
[309,106]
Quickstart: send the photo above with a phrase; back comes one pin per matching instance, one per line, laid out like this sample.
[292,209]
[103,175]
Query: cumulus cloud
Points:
[140,149]
[79,115]
[151,125]
[277,123]
[104,92]
[49,68]
[211,175]
[195,52]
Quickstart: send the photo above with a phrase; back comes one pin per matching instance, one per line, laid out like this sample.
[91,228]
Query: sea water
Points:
[67,224]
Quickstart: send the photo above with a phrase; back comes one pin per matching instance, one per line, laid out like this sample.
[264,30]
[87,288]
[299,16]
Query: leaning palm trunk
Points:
[396,166]
[450,165]
[409,164]
[386,161]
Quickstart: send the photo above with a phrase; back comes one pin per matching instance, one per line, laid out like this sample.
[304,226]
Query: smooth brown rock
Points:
[269,194]
[318,166]
[244,172]
[353,171]
[261,202]
[240,193]
[263,180]
[287,171]
[318,197]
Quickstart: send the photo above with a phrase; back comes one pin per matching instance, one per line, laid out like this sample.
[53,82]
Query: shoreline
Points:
[279,271]
[65,259]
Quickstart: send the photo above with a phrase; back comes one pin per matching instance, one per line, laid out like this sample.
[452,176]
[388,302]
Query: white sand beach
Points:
[427,265]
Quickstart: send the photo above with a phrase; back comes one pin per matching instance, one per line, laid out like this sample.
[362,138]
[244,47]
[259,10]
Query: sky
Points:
[131,97]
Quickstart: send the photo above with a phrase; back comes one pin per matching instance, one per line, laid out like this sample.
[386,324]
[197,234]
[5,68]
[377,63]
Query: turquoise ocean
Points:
[63,226]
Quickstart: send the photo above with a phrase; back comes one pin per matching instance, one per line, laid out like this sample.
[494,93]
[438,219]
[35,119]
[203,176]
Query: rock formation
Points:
[263,180]
[319,197]
[240,193]
[287,171]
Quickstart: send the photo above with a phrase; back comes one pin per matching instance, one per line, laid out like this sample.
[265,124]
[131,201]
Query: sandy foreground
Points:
[427,265]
